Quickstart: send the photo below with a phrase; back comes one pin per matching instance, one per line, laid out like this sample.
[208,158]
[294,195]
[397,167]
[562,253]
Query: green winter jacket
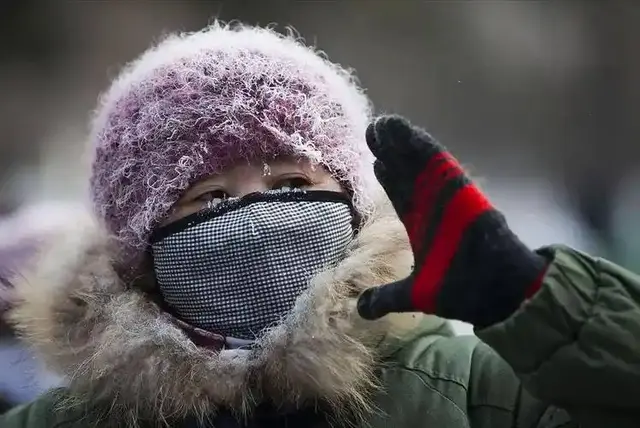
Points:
[569,357]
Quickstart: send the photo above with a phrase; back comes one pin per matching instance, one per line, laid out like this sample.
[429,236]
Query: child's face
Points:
[244,178]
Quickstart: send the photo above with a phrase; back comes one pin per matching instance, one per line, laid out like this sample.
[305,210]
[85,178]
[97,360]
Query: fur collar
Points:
[115,346]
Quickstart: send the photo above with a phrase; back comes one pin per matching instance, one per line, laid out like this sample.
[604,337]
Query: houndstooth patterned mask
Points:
[238,268]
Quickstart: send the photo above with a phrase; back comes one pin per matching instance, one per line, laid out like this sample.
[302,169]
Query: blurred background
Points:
[540,100]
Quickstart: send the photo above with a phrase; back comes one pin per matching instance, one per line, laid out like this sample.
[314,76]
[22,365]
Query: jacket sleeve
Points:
[576,343]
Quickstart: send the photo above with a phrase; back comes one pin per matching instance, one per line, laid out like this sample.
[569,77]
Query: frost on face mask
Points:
[286,190]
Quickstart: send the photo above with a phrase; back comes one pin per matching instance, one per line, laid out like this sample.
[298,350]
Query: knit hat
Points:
[197,103]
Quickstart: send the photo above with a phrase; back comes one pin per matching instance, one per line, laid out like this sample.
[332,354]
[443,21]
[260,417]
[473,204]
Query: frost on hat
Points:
[198,102]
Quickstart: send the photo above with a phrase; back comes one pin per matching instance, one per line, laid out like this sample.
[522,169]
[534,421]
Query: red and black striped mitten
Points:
[469,265]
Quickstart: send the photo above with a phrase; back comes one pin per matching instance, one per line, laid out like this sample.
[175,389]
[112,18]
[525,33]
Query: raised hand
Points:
[468,264]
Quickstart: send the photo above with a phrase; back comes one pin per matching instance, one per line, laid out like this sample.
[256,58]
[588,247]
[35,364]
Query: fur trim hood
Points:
[21,234]
[116,347]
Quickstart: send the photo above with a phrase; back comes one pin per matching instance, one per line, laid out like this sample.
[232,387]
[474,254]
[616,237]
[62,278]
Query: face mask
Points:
[239,267]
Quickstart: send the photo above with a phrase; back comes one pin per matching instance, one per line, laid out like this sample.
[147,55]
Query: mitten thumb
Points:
[379,301]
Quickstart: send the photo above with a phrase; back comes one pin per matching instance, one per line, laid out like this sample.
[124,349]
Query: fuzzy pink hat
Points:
[198,102]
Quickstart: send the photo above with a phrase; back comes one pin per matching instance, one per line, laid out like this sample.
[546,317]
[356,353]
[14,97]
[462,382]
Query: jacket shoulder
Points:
[425,382]
[462,369]
[445,360]
[47,411]
[458,382]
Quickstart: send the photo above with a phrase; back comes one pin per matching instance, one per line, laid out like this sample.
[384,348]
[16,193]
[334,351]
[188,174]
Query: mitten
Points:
[468,264]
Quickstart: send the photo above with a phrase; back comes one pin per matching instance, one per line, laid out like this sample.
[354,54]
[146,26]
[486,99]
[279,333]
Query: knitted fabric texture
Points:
[197,103]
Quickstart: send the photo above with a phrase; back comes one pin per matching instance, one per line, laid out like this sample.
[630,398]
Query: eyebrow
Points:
[293,164]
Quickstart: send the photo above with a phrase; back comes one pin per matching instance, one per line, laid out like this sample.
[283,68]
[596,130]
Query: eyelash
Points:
[210,197]
[295,183]
[221,195]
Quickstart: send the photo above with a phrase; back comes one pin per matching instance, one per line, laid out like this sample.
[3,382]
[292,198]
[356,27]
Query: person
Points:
[266,253]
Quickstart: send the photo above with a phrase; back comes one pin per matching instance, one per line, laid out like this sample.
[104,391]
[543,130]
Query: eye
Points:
[212,198]
[292,183]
